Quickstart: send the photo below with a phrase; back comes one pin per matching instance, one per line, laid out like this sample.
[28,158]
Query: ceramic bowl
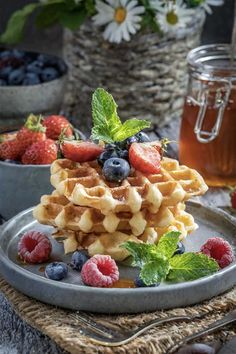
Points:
[17,102]
[21,186]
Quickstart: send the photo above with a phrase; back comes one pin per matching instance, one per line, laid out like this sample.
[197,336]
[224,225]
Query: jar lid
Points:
[213,59]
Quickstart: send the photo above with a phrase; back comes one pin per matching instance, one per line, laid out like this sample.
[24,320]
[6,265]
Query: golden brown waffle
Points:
[109,243]
[56,210]
[84,185]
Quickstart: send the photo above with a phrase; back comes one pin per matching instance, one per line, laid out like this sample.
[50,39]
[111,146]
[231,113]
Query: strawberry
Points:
[10,150]
[80,151]
[145,158]
[233,198]
[40,153]
[55,125]
[31,132]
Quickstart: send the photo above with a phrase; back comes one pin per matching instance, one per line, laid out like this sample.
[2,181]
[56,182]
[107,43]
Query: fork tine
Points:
[94,326]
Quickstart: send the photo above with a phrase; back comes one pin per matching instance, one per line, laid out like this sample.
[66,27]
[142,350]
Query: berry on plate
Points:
[145,158]
[116,169]
[233,198]
[32,132]
[180,248]
[78,259]
[10,150]
[220,250]
[55,125]
[80,151]
[34,247]
[139,283]
[100,271]
[40,153]
[56,271]
[142,137]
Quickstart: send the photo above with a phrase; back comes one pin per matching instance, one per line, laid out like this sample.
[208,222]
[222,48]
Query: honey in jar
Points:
[208,129]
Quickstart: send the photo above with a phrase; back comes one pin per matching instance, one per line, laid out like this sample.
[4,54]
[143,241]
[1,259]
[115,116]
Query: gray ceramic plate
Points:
[71,294]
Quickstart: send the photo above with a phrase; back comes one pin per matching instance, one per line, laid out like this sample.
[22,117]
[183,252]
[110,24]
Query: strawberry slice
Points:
[80,151]
[145,158]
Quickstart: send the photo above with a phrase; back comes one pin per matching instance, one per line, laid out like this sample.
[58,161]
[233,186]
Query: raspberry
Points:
[34,247]
[220,250]
[100,271]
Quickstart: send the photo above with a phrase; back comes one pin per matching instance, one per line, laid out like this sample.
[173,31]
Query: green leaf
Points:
[105,118]
[130,127]
[155,271]
[90,7]
[107,124]
[74,19]
[168,243]
[15,26]
[191,266]
[141,252]
[49,15]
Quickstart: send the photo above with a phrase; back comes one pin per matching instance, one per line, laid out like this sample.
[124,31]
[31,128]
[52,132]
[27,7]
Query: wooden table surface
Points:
[16,337]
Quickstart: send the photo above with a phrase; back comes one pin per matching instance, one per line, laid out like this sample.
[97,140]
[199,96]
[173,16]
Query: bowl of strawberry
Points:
[25,158]
[29,82]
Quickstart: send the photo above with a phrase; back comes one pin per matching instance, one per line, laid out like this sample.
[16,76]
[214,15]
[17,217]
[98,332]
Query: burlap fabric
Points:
[57,324]
[147,76]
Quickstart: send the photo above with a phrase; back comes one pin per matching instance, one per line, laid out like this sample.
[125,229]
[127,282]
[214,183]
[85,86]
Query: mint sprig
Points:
[191,266]
[107,125]
[159,262]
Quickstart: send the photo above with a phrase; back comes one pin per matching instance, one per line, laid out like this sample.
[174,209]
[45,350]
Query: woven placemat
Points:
[55,323]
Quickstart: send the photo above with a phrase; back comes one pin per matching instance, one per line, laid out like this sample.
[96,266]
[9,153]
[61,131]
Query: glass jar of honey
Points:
[208,129]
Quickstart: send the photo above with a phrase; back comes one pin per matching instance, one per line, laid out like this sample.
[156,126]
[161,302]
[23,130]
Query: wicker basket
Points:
[147,76]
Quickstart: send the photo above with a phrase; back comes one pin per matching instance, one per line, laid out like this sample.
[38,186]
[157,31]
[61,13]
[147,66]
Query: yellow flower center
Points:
[120,14]
[172,18]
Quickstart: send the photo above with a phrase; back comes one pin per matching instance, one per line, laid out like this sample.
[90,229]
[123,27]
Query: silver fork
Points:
[114,335]
[226,320]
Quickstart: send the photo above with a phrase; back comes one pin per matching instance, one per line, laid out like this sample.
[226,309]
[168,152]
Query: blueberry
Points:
[142,137]
[16,77]
[78,259]
[180,248]
[4,72]
[139,283]
[56,271]
[131,140]
[110,146]
[61,66]
[3,82]
[19,54]
[31,79]
[116,169]
[44,58]
[49,74]
[35,67]
[105,155]
[5,54]
[124,154]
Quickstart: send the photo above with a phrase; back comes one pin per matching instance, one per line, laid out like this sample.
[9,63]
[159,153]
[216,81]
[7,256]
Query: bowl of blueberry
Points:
[30,82]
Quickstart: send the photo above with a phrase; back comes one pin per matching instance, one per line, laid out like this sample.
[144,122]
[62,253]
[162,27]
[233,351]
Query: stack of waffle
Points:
[89,212]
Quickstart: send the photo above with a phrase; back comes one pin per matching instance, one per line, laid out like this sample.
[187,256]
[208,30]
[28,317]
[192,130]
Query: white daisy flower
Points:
[122,18]
[171,15]
[207,3]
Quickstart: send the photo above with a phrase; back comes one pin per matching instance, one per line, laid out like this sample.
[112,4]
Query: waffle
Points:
[84,185]
[58,211]
[109,243]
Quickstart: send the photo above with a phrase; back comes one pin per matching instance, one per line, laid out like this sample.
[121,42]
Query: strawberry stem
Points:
[33,123]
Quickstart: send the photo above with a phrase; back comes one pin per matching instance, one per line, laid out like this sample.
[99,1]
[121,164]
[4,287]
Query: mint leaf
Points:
[15,26]
[191,266]
[168,243]
[73,19]
[141,252]
[129,128]
[105,119]
[107,124]
[155,271]
[49,14]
